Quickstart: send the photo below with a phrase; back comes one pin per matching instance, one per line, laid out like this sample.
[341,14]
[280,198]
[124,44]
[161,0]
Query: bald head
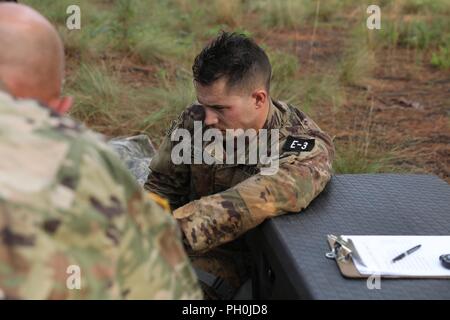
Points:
[31,55]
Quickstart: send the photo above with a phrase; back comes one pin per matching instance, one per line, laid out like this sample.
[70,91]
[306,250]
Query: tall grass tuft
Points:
[227,12]
[351,159]
[96,92]
[441,58]
[285,14]
[358,60]
[165,102]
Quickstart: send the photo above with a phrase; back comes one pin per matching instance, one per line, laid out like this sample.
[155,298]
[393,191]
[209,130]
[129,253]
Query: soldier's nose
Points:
[210,117]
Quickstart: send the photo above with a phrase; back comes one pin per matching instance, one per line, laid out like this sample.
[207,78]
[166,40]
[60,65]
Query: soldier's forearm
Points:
[220,218]
[212,220]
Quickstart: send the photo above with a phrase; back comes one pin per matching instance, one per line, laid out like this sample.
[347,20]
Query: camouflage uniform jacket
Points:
[218,203]
[68,207]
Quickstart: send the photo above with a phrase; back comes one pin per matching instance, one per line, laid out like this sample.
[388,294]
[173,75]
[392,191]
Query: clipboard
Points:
[344,253]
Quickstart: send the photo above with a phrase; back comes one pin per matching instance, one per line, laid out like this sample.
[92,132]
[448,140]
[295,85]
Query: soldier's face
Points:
[227,108]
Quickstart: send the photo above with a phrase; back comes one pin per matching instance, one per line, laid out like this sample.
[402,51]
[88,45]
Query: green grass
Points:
[441,58]
[167,101]
[426,7]
[284,84]
[307,93]
[148,31]
[357,65]
[422,26]
[155,45]
[95,34]
[96,92]
[420,33]
[321,90]
[288,14]
[55,11]
[358,60]
[352,159]
[284,65]
[107,104]
[284,14]
[226,12]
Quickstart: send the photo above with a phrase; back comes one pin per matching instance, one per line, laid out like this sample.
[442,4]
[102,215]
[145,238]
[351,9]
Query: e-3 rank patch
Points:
[298,144]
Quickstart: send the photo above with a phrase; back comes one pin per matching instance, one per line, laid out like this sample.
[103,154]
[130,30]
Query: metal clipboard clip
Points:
[342,250]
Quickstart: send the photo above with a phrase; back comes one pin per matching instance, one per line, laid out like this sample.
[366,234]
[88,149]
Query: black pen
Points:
[408,252]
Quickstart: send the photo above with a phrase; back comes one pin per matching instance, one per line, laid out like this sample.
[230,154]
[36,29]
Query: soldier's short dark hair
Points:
[236,57]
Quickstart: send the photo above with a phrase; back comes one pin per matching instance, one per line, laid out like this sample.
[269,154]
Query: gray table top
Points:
[381,204]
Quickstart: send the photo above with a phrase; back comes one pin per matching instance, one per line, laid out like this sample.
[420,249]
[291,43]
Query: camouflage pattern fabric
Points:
[136,152]
[66,200]
[217,203]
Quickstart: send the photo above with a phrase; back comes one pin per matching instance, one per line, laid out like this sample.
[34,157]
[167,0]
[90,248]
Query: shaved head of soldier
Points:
[32,57]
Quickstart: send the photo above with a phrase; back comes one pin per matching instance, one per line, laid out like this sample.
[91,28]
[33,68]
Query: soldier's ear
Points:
[260,97]
[61,105]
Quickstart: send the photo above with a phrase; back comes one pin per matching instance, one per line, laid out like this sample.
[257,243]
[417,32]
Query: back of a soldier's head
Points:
[32,56]
[236,58]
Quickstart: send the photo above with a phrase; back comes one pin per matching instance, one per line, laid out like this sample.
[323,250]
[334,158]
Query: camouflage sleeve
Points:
[167,179]
[220,218]
[152,263]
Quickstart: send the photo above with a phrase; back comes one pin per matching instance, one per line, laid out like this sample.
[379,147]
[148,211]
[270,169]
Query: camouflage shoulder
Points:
[297,117]
[301,131]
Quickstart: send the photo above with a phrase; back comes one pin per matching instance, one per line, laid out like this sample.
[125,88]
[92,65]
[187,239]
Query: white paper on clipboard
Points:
[377,252]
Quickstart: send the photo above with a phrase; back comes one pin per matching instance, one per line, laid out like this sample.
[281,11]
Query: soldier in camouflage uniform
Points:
[65,199]
[216,204]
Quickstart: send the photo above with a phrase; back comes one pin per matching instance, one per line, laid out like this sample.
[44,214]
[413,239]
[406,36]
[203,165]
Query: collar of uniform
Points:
[6,96]
[275,114]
